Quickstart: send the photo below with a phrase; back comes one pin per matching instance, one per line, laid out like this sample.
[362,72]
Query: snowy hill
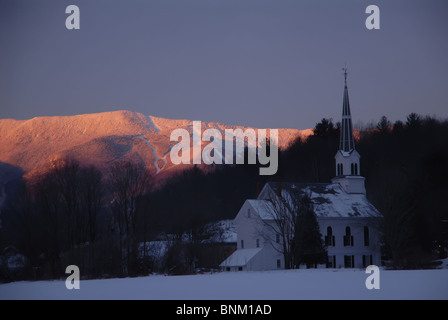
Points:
[101,139]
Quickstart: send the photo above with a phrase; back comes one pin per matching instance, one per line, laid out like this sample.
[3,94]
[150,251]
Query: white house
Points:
[348,222]
[256,247]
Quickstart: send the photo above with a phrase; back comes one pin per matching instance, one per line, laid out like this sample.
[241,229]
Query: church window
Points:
[242,244]
[331,263]
[329,238]
[340,169]
[366,236]
[279,264]
[349,261]
[354,169]
[367,260]
[258,243]
[348,238]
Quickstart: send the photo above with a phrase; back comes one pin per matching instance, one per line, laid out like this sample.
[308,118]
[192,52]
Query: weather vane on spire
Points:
[345,73]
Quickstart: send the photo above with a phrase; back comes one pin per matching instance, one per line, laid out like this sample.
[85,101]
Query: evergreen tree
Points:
[384,125]
[308,247]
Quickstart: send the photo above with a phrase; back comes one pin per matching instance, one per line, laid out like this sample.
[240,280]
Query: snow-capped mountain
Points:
[101,139]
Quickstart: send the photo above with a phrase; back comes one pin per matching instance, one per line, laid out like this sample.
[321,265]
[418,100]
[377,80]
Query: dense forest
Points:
[406,170]
[109,223]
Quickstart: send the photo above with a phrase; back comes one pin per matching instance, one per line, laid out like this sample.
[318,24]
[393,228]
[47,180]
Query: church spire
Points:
[346,140]
[348,170]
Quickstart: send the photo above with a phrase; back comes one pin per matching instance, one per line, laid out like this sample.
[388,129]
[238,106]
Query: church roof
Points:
[346,153]
[331,201]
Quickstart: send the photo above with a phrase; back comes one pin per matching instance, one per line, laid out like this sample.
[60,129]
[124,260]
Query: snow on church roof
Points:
[331,201]
[240,257]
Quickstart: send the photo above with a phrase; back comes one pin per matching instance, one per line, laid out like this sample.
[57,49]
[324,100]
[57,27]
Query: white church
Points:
[348,222]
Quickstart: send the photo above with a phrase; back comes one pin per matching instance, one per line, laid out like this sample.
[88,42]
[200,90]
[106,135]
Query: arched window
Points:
[356,169]
[352,171]
[339,169]
[366,236]
[329,238]
[348,238]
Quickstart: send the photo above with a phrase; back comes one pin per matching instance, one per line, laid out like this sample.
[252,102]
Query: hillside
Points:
[101,139]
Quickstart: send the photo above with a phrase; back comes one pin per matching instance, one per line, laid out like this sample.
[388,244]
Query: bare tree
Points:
[128,182]
[27,226]
[91,193]
[69,197]
[283,215]
[292,227]
[65,174]
[52,221]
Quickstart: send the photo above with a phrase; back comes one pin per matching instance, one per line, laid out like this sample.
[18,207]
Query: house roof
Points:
[331,201]
[264,208]
[240,257]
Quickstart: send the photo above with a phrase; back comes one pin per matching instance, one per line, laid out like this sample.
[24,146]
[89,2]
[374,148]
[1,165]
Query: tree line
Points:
[406,169]
[73,215]
[108,222]
[117,223]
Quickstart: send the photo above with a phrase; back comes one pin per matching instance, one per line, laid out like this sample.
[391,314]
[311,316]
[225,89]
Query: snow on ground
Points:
[268,285]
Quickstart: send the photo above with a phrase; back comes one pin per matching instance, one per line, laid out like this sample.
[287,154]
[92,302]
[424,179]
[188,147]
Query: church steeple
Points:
[347,158]
[346,140]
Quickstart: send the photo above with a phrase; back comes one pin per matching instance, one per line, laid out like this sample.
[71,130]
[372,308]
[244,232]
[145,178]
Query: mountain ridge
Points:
[101,139]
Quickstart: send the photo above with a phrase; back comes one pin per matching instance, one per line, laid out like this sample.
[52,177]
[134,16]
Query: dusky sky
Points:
[262,63]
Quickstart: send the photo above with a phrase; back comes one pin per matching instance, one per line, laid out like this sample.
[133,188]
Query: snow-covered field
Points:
[268,285]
